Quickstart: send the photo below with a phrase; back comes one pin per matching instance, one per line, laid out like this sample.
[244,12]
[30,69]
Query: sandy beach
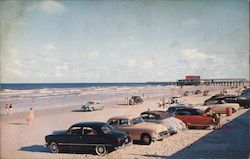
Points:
[22,141]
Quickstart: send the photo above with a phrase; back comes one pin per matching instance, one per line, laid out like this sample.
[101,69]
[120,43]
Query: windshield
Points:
[137,120]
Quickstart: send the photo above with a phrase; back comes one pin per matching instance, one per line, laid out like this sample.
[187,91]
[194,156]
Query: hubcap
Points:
[146,139]
[101,149]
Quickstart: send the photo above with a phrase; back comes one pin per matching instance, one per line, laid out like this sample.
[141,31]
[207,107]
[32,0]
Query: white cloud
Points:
[48,6]
[131,62]
[92,55]
[61,70]
[48,50]
[148,65]
[195,54]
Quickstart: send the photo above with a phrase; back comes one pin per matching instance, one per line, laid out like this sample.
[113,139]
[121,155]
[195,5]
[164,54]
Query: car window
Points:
[183,112]
[91,103]
[106,130]
[144,116]
[88,131]
[114,123]
[151,116]
[196,112]
[76,130]
[123,122]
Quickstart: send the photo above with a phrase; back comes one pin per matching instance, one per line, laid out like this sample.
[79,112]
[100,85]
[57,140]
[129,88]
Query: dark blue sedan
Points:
[94,135]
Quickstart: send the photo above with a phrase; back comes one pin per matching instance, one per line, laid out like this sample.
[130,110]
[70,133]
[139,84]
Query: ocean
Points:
[31,86]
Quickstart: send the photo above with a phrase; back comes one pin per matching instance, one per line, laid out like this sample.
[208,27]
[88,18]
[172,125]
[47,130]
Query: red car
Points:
[196,118]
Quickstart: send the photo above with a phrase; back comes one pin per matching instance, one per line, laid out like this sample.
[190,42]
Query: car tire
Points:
[234,110]
[146,139]
[53,147]
[101,150]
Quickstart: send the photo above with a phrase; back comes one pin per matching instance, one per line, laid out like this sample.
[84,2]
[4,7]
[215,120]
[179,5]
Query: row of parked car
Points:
[119,131]
[149,126]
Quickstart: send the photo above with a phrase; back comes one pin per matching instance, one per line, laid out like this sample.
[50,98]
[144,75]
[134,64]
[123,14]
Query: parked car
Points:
[172,110]
[88,135]
[186,93]
[196,118]
[135,100]
[220,106]
[138,129]
[92,106]
[197,92]
[160,117]
[176,99]
[241,100]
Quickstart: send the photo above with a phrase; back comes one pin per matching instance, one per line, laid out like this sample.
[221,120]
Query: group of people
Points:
[29,116]
[8,109]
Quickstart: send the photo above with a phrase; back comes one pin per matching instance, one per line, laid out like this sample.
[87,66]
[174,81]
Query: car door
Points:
[197,119]
[125,125]
[89,137]
[72,139]
[183,115]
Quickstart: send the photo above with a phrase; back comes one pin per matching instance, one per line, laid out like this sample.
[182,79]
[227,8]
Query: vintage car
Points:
[92,105]
[160,117]
[242,101]
[138,129]
[176,99]
[196,118]
[221,107]
[135,100]
[87,135]
[197,92]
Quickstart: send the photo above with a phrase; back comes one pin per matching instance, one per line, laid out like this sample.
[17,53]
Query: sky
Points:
[123,41]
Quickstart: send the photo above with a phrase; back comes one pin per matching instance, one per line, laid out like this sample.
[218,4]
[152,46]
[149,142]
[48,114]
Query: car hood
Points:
[58,132]
[151,126]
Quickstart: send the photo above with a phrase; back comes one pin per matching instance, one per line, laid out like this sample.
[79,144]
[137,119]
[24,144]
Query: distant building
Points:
[189,80]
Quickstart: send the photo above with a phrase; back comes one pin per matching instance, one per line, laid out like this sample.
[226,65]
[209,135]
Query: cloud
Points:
[148,65]
[196,55]
[60,71]
[92,55]
[48,50]
[48,6]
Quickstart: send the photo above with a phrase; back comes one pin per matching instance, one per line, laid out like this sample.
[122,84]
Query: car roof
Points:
[89,124]
[156,112]
[124,117]
[161,114]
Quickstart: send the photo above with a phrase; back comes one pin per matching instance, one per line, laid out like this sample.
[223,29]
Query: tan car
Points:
[138,129]
[221,108]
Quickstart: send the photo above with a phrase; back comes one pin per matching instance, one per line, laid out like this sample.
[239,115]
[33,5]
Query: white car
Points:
[176,99]
[160,117]
[92,106]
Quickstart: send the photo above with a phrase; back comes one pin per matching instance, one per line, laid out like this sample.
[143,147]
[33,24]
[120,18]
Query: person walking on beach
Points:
[30,116]
[6,109]
[10,110]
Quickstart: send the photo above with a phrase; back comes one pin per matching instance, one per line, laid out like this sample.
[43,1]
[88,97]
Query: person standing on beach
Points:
[30,116]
